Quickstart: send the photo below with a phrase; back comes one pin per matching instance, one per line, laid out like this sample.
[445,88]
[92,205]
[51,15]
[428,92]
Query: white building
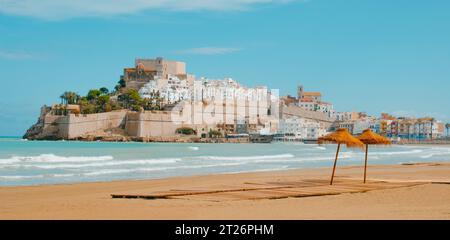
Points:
[428,128]
[316,106]
[171,89]
[227,89]
[347,116]
[360,125]
[295,129]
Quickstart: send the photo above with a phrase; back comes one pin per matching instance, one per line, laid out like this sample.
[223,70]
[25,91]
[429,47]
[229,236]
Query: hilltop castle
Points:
[146,70]
[200,104]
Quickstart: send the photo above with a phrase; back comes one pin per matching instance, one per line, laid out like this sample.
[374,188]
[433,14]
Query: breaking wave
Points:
[193,148]
[140,170]
[398,153]
[435,154]
[22,167]
[96,164]
[243,158]
[51,158]
[19,177]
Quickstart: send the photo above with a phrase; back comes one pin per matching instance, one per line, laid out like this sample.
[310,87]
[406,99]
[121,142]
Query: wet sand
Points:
[422,191]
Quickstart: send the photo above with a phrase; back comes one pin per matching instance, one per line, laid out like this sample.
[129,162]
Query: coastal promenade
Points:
[403,191]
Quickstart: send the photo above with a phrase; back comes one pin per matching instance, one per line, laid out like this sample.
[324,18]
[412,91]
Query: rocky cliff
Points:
[43,129]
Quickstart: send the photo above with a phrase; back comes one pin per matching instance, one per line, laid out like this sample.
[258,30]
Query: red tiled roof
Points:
[316,94]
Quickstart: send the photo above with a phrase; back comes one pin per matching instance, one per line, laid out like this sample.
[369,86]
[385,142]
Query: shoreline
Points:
[187,139]
[428,199]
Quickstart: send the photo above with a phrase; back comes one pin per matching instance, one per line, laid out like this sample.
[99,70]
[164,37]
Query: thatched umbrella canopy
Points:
[370,138]
[341,136]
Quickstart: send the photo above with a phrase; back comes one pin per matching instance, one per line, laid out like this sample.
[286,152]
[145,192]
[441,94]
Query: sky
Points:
[363,55]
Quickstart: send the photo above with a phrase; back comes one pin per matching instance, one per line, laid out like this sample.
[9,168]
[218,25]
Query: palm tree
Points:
[447,126]
[432,124]
[69,98]
[63,98]
[424,130]
[419,127]
[408,125]
[413,124]
[72,98]
[398,129]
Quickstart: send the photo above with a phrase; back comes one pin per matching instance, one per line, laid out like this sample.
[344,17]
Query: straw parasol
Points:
[369,137]
[341,136]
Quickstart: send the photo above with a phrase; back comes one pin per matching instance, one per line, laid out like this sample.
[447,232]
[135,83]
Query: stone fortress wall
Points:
[155,123]
[151,124]
[76,125]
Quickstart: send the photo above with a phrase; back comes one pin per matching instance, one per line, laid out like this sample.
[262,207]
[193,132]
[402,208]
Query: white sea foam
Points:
[51,158]
[281,158]
[443,148]
[63,175]
[65,164]
[398,153]
[243,158]
[138,170]
[20,177]
[263,170]
[435,154]
[108,171]
[40,168]
[8,161]
[284,159]
[96,164]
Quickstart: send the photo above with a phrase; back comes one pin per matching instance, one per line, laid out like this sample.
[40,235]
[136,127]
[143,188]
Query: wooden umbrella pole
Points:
[365,164]
[335,161]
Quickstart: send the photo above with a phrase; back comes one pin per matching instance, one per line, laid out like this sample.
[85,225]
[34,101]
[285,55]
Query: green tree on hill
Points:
[104,90]
[120,84]
[86,106]
[103,103]
[93,94]
[186,131]
[130,98]
[101,100]
[214,133]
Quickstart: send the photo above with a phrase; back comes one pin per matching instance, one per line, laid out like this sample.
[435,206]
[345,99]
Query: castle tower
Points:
[300,91]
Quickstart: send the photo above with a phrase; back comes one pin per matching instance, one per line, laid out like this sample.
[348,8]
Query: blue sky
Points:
[363,55]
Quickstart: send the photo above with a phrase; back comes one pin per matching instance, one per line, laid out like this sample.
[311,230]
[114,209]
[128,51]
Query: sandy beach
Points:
[420,191]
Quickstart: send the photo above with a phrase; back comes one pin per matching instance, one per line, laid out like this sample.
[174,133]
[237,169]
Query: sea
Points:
[56,162]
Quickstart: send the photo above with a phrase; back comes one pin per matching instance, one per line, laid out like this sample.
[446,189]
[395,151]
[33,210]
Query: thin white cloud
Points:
[64,9]
[208,51]
[15,55]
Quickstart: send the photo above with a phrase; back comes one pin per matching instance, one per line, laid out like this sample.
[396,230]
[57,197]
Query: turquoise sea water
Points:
[51,162]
